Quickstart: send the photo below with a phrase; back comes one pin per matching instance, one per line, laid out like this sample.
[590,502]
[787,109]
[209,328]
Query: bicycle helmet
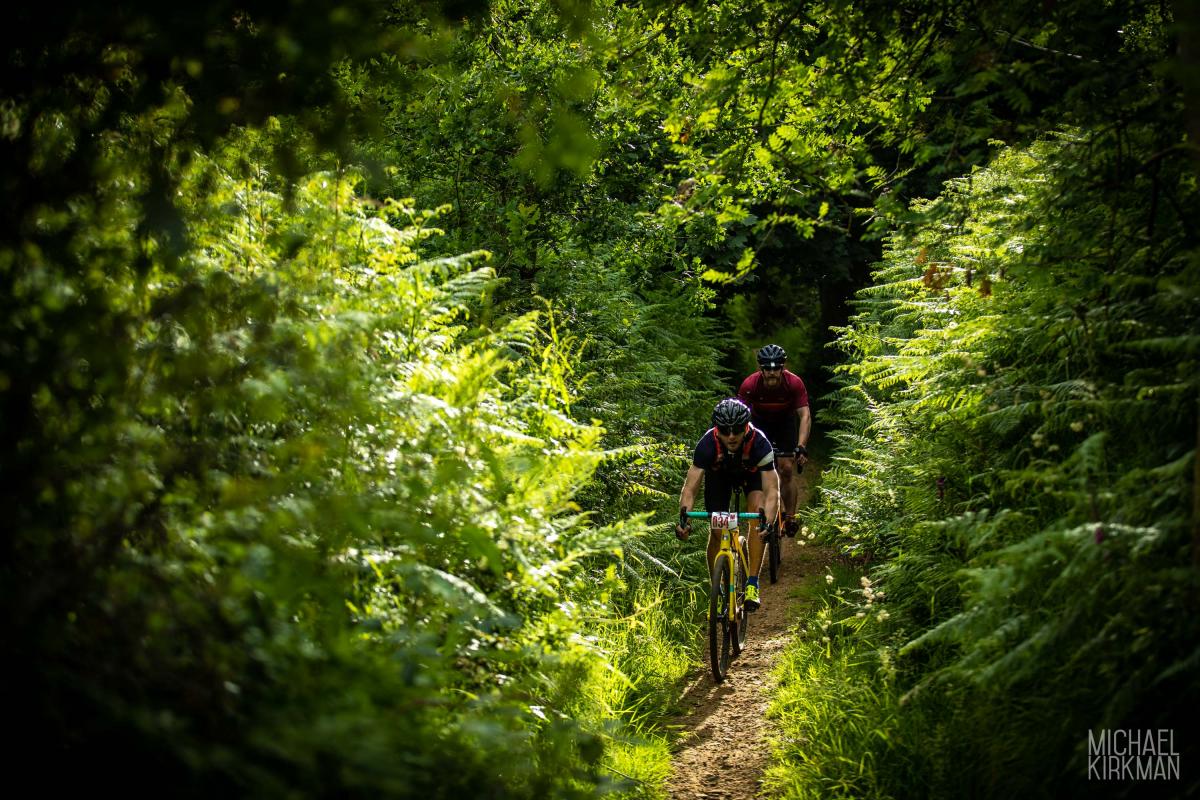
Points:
[772,356]
[731,413]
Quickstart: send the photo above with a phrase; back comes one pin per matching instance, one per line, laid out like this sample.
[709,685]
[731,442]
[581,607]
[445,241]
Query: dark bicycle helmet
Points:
[731,412]
[772,356]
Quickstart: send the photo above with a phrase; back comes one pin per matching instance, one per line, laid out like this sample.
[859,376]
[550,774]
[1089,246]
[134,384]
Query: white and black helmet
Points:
[772,356]
[731,413]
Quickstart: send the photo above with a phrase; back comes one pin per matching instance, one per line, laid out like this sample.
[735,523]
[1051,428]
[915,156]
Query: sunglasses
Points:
[772,368]
[730,430]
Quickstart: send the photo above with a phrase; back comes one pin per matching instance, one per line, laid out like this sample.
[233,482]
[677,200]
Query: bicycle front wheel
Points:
[720,643]
[774,555]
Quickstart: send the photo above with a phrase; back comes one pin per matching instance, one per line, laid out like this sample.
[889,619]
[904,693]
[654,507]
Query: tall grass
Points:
[836,701]
[627,693]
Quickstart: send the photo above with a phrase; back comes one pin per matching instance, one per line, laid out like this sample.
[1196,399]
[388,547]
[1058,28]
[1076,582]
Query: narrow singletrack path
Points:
[715,716]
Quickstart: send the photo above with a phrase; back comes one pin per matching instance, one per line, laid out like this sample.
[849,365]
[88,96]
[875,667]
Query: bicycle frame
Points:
[727,615]
[728,522]
[728,618]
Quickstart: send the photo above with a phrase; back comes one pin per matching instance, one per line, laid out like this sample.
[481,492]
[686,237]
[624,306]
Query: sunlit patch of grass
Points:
[835,705]
[629,691]
[641,768]
[834,716]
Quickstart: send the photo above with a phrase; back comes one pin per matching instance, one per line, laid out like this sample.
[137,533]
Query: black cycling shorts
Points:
[719,485]
[784,434]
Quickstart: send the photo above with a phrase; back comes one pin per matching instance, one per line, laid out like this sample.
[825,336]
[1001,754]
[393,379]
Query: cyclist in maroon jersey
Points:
[779,407]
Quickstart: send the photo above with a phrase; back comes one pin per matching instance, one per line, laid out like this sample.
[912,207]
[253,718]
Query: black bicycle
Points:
[774,540]
[774,551]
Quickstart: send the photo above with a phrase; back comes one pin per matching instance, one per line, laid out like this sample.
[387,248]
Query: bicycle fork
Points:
[734,550]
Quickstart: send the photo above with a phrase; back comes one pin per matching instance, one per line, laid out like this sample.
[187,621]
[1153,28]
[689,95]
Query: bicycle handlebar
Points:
[706,514]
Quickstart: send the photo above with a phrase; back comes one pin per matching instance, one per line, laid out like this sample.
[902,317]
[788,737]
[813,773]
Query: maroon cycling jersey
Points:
[773,404]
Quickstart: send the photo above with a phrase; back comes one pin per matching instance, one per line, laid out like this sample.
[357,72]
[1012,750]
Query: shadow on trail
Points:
[700,700]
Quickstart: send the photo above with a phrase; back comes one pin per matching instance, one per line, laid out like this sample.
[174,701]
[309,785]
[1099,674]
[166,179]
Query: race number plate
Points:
[723,521]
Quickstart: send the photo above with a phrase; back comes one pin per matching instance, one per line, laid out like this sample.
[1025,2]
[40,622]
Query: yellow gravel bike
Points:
[727,617]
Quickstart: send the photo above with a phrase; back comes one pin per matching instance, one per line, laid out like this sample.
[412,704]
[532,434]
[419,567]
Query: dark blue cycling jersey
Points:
[723,470]
[754,454]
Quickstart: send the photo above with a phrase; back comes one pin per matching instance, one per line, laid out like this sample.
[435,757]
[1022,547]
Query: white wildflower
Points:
[883,614]
[828,578]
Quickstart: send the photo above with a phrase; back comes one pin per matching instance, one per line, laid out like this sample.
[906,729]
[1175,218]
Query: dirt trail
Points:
[735,710]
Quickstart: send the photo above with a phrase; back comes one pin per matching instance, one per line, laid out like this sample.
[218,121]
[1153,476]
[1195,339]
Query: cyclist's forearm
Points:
[771,494]
[687,497]
[805,425]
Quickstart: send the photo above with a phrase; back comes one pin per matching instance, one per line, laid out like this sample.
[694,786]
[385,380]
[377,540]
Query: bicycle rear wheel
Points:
[774,555]
[720,642]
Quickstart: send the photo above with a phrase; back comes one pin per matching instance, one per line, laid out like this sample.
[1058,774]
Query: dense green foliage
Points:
[1016,465]
[1018,449]
[348,353]
[322,499]
[298,485]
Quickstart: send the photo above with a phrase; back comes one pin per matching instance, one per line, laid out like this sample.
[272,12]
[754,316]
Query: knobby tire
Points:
[741,617]
[774,554]
[720,640]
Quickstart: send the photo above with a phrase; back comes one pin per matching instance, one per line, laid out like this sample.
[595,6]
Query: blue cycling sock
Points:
[752,581]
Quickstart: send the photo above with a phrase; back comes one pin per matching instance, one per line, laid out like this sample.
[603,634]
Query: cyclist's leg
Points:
[786,467]
[717,489]
[789,482]
[784,436]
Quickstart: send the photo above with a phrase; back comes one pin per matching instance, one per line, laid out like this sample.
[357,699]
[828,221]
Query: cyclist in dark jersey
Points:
[779,407]
[733,453]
